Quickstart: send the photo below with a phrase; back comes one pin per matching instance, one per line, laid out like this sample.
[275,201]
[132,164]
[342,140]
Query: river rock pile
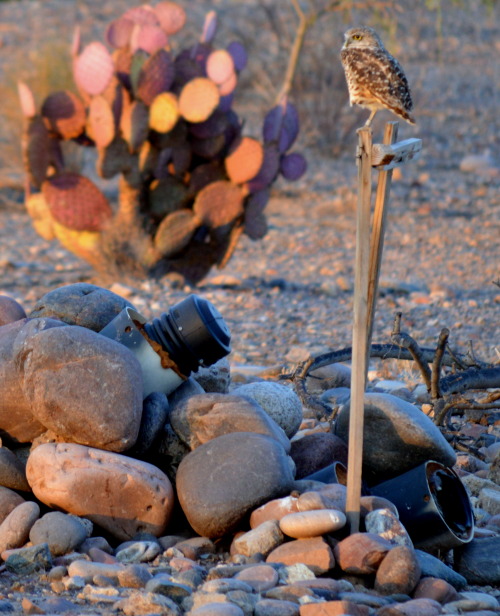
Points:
[222,498]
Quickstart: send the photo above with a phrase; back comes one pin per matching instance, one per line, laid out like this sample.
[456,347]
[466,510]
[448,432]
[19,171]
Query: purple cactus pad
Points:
[239,55]
[293,166]
[209,27]
[119,31]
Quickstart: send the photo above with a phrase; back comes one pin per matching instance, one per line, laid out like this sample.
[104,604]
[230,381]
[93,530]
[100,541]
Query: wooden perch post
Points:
[369,246]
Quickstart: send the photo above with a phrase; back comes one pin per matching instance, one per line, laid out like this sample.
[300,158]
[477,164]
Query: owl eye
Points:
[357,37]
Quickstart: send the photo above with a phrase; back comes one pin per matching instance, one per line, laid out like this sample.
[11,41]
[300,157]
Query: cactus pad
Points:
[134,124]
[209,27]
[219,204]
[164,112]
[203,175]
[166,196]
[175,232]
[93,68]
[142,15]
[26,100]
[198,99]
[76,202]
[171,16]
[156,76]
[114,159]
[239,55]
[84,244]
[269,169]
[38,150]
[255,226]
[293,166]
[148,37]
[208,148]
[216,124]
[119,31]
[64,114]
[245,160]
[228,87]
[40,215]
[220,66]
[101,122]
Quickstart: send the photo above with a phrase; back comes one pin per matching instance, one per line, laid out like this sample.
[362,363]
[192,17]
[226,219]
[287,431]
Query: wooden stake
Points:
[378,232]
[360,329]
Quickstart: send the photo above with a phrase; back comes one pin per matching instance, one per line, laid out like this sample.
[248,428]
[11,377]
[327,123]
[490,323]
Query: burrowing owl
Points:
[374,78]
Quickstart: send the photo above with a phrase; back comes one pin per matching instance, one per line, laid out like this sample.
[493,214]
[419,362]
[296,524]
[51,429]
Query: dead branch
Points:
[437,363]
[407,342]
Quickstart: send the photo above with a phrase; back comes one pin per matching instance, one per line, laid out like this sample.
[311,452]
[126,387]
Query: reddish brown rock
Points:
[332,496]
[436,589]
[260,540]
[372,503]
[399,572]
[361,553]
[314,552]
[83,386]
[122,495]
[10,310]
[334,608]
[259,577]
[312,523]
[273,510]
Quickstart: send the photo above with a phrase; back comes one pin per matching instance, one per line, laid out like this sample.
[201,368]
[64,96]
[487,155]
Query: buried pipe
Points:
[433,506]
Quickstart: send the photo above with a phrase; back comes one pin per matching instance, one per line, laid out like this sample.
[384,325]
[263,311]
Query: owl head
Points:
[362,36]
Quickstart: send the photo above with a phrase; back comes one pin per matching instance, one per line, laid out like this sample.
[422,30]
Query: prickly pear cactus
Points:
[161,119]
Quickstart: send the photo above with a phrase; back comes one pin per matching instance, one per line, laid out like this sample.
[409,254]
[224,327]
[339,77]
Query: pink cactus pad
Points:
[220,66]
[26,100]
[171,16]
[142,15]
[148,37]
[119,31]
[93,68]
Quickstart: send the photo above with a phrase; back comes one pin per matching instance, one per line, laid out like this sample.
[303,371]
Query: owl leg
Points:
[372,115]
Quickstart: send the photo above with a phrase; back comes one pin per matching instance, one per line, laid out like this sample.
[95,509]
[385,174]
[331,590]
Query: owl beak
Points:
[346,44]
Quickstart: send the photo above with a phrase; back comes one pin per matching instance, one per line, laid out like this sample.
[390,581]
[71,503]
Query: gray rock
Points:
[215,378]
[62,533]
[260,540]
[163,585]
[489,500]
[15,529]
[10,310]
[336,396]
[383,522]
[203,417]
[329,377]
[478,561]
[9,500]
[138,552]
[231,475]
[81,304]
[28,560]
[397,437]
[190,387]
[139,602]
[12,471]
[280,402]
[154,416]
[433,567]
[315,451]
[83,387]
[87,570]
[16,419]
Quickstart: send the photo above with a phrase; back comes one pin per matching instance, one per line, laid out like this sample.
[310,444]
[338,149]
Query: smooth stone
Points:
[10,310]
[365,598]
[214,475]
[478,561]
[16,419]
[435,588]
[260,540]
[372,503]
[215,378]
[312,523]
[489,500]
[155,411]
[314,451]
[134,576]
[399,572]
[275,607]
[415,607]
[337,396]
[273,510]
[328,377]
[122,495]
[196,547]
[291,574]
[241,599]
[397,437]
[384,523]
[217,609]
[28,560]
[81,304]
[486,601]
[222,585]
[433,567]
[189,387]
[63,533]
[475,484]
[138,552]
[83,386]
[140,603]
[279,401]
[334,608]
[332,496]
[259,577]
[15,529]
[87,570]
[204,417]
[361,553]
[9,500]
[12,471]
[315,553]
[162,585]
